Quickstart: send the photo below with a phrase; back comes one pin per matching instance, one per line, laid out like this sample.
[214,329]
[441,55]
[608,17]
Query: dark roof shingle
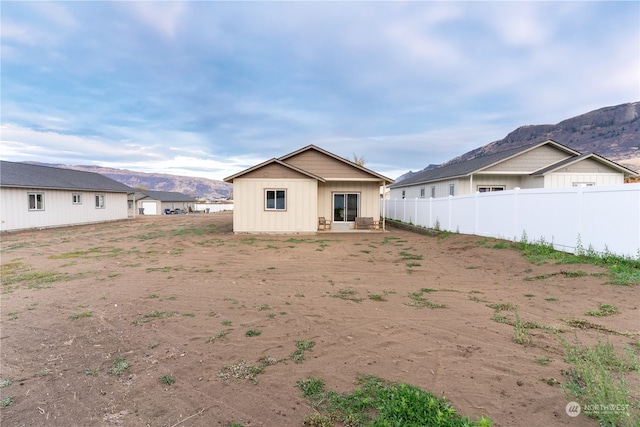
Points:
[24,175]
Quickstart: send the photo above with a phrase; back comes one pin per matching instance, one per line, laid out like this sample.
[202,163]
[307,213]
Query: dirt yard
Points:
[174,297]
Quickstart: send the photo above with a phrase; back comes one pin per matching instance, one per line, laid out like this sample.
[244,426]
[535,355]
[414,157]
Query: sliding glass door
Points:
[346,207]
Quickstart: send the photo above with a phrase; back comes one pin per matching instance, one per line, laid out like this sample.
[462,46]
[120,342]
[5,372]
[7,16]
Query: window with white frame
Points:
[100,202]
[423,192]
[489,188]
[76,198]
[275,200]
[36,201]
[452,189]
[584,184]
[433,191]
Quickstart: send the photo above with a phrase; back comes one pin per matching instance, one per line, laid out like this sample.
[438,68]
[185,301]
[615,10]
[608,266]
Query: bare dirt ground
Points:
[176,295]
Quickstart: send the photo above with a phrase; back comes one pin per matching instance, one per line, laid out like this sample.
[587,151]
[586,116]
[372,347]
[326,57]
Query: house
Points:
[34,196]
[546,164]
[289,194]
[149,202]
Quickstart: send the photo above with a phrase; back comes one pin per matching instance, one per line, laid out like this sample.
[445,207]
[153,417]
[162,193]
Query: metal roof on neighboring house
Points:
[24,175]
[467,167]
[164,196]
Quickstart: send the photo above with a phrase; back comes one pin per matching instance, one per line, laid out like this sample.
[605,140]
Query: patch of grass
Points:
[418,301]
[520,334]
[189,314]
[153,345]
[585,324]
[241,371]
[253,333]
[227,323]
[301,346]
[347,294]
[91,372]
[409,256]
[377,297]
[82,315]
[603,310]
[167,379]
[5,382]
[154,296]
[377,402]
[6,401]
[98,252]
[13,315]
[598,377]
[197,231]
[119,365]
[263,307]
[503,306]
[413,264]
[154,314]
[219,335]
[551,299]
[544,361]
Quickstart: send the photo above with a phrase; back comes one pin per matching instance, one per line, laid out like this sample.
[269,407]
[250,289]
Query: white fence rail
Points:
[214,207]
[604,218]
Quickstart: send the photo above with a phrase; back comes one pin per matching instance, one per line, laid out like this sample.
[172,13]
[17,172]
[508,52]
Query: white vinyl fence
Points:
[603,218]
[214,207]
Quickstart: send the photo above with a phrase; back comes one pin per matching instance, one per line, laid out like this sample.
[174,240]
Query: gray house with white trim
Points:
[34,196]
[546,164]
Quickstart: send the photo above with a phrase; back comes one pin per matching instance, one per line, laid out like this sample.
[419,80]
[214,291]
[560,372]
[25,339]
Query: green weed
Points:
[82,315]
[377,402]
[603,310]
[253,333]
[119,365]
[167,379]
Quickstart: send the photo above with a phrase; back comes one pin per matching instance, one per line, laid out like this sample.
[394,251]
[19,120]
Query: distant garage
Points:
[149,208]
[147,202]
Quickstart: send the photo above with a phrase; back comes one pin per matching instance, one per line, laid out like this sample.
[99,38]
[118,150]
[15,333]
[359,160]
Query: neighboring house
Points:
[149,202]
[546,164]
[290,193]
[33,196]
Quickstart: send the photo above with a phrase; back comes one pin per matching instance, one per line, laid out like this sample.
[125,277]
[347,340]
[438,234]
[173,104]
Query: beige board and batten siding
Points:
[59,209]
[530,161]
[325,166]
[587,171]
[369,197]
[250,215]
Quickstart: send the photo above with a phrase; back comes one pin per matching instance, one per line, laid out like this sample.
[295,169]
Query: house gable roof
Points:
[349,165]
[270,163]
[24,175]
[573,160]
[289,160]
[477,164]
[164,196]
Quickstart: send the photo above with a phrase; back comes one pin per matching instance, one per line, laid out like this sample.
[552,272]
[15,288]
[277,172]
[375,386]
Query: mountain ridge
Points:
[201,188]
[612,132]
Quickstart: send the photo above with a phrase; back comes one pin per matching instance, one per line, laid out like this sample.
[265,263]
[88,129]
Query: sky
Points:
[210,88]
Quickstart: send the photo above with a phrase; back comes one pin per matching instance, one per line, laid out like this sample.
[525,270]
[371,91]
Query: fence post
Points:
[516,214]
[579,216]
[415,217]
[476,210]
[430,212]
[449,213]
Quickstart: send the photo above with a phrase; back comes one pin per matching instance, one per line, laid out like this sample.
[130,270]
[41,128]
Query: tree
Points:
[358,160]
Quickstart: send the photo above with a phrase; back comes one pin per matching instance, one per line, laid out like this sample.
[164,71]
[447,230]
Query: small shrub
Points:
[119,365]
[167,379]
[253,333]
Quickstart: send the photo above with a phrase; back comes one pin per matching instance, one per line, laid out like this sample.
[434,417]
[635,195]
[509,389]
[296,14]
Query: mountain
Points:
[613,132]
[198,187]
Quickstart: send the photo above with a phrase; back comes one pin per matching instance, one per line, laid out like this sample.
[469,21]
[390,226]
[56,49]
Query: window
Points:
[36,201]
[433,191]
[452,189]
[584,184]
[76,198]
[489,188]
[275,200]
[423,192]
[99,201]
